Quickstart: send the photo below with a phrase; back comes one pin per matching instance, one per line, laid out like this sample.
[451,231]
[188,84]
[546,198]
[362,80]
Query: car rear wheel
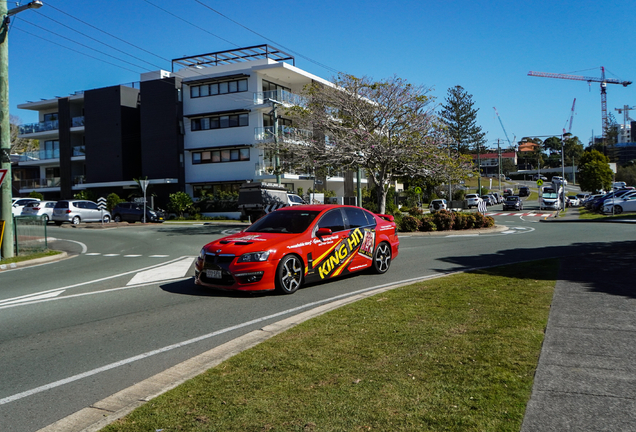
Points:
[289,275]
[76,220]
[46,219]
[618,209]
[382,258]
[106,219]
[117,218]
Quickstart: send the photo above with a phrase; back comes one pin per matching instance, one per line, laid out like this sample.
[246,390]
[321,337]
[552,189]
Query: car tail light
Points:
[67,211]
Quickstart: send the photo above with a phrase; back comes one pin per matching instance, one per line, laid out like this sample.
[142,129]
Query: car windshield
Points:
[512,198]
[288,221]
[550,195]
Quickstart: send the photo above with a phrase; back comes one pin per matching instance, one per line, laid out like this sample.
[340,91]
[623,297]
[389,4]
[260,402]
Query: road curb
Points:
[43,260]
[99,415]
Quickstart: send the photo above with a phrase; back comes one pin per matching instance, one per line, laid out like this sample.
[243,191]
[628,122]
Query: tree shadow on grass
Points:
[607,267]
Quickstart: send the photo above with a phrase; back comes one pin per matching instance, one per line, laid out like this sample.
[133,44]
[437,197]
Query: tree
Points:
[20,145]
[388,128]
[461,120]
[594,171]
[573,150]
[180,202]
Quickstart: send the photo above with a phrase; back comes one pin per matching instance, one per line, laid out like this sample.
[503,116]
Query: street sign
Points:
[101,203]
[539,182]
[418,190]
[3,173]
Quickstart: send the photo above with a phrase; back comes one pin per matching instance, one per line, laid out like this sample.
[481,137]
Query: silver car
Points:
[39,208]
[76,211]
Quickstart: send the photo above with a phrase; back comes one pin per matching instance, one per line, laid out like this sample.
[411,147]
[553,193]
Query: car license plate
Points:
[213,274]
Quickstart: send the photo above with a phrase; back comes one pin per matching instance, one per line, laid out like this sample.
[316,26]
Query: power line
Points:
[266,38]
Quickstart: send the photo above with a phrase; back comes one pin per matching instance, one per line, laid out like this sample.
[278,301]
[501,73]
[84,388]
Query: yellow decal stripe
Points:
[341,268]
[321,257]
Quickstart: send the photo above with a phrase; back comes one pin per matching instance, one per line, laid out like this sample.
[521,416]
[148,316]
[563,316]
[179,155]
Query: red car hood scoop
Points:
[238,243]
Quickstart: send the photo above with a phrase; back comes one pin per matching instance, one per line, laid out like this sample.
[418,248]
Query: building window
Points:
[219,156]
[224,87]
[219,122]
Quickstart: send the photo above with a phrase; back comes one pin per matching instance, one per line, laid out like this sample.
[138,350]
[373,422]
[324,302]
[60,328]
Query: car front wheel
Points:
[289,275]
[382,258]
[76,220]
[618,209]
[106,219]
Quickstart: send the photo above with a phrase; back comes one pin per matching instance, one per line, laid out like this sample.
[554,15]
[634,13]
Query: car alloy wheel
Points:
[289,274]
[76,220]
[117,218]
[382,258]
[106,219]
[618,209]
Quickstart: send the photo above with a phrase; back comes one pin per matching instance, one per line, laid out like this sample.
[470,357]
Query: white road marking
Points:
[131,256]
[159,256]
[84,247]
[96,280]
[171,271]
[145,355]
[93,254]
[30,297]
[111,255]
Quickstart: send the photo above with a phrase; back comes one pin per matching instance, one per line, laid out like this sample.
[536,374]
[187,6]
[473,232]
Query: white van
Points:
[618,185]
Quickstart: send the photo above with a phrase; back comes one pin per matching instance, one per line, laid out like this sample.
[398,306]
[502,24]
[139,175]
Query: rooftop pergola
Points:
[237,55]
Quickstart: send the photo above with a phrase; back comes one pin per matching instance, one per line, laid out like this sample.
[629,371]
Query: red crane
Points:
[604,81]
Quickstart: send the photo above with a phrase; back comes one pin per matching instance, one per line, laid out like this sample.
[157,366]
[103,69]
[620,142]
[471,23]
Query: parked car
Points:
[134,212]
[17,204]
[472,200]
[597,203]
[537,177]
[524,191]
[39,208]
[620,205]
[489,199]
[582,197]
[498,198]
[438,204]
[293,245]
[512,202]
[573,200]
[77,211]
[559,180]
[507,192]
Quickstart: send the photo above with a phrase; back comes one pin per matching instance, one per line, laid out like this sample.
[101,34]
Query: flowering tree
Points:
[388,128]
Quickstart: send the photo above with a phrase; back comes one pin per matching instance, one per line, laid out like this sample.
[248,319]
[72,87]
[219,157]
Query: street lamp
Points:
[5,135]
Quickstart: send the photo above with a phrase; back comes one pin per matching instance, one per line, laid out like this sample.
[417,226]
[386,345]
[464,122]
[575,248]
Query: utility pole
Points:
[277,151]
[5,135]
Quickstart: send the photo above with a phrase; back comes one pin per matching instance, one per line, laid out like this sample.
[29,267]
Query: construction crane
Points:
[604,81]
[571,118]
[502,126]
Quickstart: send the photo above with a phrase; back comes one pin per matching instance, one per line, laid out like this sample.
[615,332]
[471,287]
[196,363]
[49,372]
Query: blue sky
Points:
[487,47]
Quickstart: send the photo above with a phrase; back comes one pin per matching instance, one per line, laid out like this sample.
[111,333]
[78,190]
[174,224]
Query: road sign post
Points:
[101,205]
[144,186]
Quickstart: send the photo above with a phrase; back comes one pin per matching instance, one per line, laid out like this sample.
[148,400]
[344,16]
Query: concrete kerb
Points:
[102,413]
[58,257]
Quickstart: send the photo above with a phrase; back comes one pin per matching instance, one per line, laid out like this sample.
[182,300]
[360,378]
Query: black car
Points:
[524,191]
[133,212]
[512,202]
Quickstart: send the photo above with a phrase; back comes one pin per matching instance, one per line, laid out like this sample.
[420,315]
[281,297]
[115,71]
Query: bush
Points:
[35,194]
[408,224]
[180,203]
[460,221]
[444,220]
[112,200]
[427,224]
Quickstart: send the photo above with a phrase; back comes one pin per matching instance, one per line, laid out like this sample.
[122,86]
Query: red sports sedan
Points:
[293,245]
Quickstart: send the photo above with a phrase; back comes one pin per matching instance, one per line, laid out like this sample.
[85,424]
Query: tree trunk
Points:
[381,199]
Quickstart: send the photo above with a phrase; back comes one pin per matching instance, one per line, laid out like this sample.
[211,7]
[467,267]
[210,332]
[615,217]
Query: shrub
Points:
[489,221]
[180,202]
[408,224]
[443,220]
[460,221]
[35,194]
[112,200]
[427,224]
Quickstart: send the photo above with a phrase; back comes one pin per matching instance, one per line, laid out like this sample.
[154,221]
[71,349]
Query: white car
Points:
[438,204]
[473,200]
[574,200]
[559,180]
[39,208]
[18,204]
[620,205]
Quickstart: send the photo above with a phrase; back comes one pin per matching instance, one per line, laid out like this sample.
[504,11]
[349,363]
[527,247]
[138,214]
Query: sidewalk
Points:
[586,377]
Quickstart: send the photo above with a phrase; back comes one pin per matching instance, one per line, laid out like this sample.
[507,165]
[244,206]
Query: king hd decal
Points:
[336,259]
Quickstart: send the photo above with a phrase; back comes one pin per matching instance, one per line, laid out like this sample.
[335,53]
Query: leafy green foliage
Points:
[461,120]
[36,194]
[112,200]
[594,171]
[86,194]
[180,203]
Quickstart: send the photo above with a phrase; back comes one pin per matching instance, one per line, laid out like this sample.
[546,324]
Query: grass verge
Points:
[587,214]
[455,353]
[29,256]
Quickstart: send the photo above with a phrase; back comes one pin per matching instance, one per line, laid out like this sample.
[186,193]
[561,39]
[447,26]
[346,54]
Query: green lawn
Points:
[451,354]
[29,256]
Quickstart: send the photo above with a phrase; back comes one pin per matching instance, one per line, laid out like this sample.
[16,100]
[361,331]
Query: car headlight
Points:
[254,257]
[202,254]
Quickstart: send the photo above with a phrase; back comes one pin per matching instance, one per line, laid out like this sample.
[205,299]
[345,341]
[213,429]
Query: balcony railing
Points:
[285,133]
[79,150]
[283,96]
[39,127]
[39,155]
[78,121]
[40,183]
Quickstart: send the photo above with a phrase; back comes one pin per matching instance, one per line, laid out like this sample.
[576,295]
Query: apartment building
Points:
[196,128]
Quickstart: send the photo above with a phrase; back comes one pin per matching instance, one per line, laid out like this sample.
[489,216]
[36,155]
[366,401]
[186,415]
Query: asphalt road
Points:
[124,307]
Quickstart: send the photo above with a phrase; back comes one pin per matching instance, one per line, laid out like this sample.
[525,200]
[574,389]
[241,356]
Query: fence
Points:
[30,234]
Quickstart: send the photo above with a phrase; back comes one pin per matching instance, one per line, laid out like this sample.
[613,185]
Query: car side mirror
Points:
[322,232]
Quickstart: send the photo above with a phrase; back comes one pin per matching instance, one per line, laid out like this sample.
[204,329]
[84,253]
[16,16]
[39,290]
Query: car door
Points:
[328,252]
[93,213]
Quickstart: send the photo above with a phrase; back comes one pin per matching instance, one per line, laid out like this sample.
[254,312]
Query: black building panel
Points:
[112,131]
[66,151]
[161,136]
